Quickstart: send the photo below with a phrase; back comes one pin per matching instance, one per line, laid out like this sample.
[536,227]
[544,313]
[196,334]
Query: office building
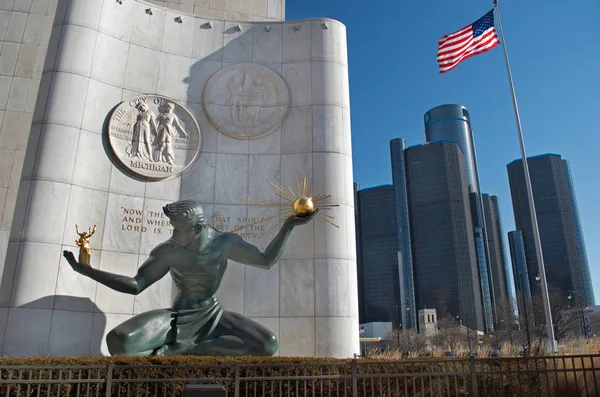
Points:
[406,282]
[519,268]
[444,254]
[562,242]
[498,262]
[453,123]
[378,256]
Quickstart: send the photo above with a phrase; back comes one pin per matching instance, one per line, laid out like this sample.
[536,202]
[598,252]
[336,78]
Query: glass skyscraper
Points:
[559,225]
[498,262]
[378,263]
[519,268]
[443,245]
[406,282]
[453,123]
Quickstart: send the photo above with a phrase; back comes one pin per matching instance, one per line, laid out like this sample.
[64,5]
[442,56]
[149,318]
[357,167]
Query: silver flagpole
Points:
[534,222]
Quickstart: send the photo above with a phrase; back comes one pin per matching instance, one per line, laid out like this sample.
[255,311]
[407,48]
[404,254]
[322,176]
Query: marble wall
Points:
[103,52]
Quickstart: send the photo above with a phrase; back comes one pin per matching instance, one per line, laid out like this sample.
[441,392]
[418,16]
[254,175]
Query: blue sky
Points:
[555,59]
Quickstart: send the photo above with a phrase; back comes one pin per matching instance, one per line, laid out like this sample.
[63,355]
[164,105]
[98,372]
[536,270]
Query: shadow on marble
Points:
[72,331]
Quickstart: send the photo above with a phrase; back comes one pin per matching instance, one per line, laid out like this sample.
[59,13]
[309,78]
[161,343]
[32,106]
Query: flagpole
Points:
[534,222]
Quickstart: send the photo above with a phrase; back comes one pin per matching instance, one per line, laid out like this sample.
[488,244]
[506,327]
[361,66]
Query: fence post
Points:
[354,378]
[109,375]
[236,380]
[474,391]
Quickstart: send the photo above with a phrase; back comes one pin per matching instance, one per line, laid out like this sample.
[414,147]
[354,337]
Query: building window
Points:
[427,117]
[465,113]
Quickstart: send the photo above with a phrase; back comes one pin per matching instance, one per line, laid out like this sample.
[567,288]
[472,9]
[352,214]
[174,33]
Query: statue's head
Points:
[188,220]
[142,107]
[170,107]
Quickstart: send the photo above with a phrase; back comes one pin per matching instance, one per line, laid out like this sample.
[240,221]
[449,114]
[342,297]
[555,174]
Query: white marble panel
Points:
[16,218]
[226,218]
[297,336]
[6,161]
[226,144]
[32,96]
[57,152]
[5,82]
[296,167]
[270,144]
[346,133]
[261,292]
[148,30]
[67,91]
[231,291]
[261,8]
[53,44]
[330,177]
[15,172]
[208,42]
[332,287]
[110,59]
[87,207]
[109,300]
[232,178]
[156,225]
[11,126]
[298,78]
[297,287]
[267,46]
[8,58]
[173,76]
[18,94]
[296,42]
[27,332]
[345,86]
[117,19]
[353,289]
[178,38]
[351,232]
[326,83]
[166,189]
[237,45]
[74,291]
[297,130]
[245,7]
[92,165]
[33,30]
[76,50]
[47,212]
[70,333]
[328,44]
[122,227]
[36,292]
[4,19]
[31,152]
[102,325]
[84,13]
[40,105]
[199,74]
[331,341]
[198,181]
[26,60]
[16,27]
[209,132]
[8,273]
[101,98]
[142,69]
[122,183]
[157,296]
[264,169]
[330,241]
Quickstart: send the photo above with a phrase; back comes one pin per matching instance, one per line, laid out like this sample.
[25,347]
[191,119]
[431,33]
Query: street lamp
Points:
[573,296]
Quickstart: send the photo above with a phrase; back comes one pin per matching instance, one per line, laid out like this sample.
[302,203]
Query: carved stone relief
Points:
[153,136]
[246,101]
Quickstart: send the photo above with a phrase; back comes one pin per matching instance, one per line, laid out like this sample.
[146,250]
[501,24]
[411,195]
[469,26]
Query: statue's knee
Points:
[270,345]
[117,342]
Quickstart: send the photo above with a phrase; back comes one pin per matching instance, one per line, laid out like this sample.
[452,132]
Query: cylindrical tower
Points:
[453,123]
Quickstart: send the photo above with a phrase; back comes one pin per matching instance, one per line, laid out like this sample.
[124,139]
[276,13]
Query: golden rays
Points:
[300,203]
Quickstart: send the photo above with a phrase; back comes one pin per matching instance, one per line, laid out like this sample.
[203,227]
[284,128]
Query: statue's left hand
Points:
[301,220]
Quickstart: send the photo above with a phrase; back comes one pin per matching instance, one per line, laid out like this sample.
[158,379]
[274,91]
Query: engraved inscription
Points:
[246,101]
[154,136]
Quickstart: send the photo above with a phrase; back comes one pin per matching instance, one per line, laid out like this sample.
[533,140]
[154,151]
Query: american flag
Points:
[478,37]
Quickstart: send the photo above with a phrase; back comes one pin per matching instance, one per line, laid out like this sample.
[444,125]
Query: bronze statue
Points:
[196,256]
[83,242]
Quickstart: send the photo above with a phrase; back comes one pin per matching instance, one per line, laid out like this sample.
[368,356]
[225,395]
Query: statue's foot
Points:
[167,350]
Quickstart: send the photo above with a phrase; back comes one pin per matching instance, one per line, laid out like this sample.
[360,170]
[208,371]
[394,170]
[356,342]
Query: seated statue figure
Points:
[196,256]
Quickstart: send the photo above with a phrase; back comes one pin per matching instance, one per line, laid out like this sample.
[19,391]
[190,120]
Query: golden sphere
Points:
[303,206]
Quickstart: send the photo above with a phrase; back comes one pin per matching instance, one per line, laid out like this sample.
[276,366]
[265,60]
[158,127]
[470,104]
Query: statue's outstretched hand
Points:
[301,220]
[72,261]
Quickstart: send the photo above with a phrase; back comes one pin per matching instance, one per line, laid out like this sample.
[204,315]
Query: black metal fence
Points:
[521,376]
